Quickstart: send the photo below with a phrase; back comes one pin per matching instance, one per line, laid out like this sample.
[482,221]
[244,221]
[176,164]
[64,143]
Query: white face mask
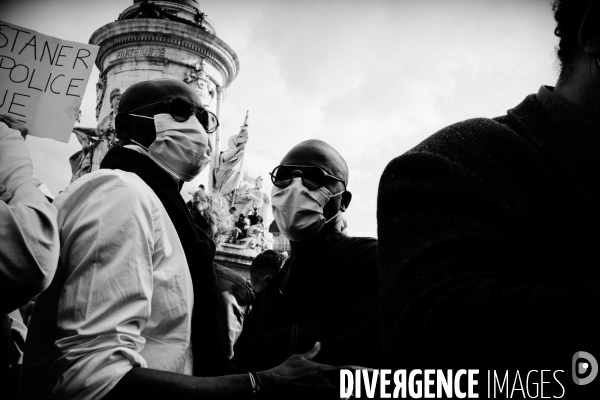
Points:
[182,148]
[298,211]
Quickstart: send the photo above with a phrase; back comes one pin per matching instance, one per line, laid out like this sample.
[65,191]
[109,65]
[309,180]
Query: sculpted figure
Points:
[200,82]
[100,88]
[229,172]
[95,143]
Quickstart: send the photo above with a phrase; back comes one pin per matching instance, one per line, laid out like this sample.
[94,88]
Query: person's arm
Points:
[108,239]
[28,229]
[466,271]
[297,378]
[235,300]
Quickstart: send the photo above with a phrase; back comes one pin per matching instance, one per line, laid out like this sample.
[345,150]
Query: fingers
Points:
[13,123]
[7,119]
[309,355]
[355,367]
[4,195]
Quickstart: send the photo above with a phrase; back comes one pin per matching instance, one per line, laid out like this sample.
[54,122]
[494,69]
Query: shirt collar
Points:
[569,119]
[573,139]
[143,151]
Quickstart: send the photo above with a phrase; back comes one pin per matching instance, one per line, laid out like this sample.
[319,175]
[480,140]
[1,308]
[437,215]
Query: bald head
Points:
[319,154]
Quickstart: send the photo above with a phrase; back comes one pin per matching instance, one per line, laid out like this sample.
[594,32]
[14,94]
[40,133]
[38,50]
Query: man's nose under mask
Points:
[182,148]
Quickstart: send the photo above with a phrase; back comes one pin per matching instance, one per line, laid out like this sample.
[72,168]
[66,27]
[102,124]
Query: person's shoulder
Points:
[363,244]
[466,133]
[479,133]
[106,182]
[359,241]
[230,281]
[353,246]
[472,142]
[230,275]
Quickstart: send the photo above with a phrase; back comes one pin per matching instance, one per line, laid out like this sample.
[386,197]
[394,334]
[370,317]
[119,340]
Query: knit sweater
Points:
[489,242]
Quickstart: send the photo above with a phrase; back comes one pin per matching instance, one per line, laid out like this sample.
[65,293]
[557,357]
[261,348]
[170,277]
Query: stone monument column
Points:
[164,39]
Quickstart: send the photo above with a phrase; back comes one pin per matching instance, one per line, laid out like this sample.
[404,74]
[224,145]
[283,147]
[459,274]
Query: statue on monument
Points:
[244,193]
[255,205]
[100,89]
[200,82]
[228,173]
[96,142]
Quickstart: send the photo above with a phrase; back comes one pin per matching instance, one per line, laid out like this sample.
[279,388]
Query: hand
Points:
[26,312]
[12,123]
[300,378]
[4,195]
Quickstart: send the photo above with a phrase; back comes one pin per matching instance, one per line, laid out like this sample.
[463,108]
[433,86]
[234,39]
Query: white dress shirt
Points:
[128,296]
[28,234]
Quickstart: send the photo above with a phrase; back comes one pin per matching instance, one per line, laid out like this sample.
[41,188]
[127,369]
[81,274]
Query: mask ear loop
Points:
[141,116]
[139,144]
[326,221]
[338,213]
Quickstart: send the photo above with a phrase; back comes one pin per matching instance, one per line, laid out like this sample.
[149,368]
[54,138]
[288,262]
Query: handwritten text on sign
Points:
[42,80]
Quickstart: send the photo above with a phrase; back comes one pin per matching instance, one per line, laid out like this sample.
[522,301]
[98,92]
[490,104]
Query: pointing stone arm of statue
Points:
[85,135]
[236,143]
[226,156]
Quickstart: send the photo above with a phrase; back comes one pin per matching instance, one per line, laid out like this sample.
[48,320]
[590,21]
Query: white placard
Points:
[42,80]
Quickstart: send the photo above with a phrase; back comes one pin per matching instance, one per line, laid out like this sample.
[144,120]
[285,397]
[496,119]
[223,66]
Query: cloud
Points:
[372,79]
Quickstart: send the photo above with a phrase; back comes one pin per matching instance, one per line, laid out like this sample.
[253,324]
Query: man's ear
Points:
[346,199]
[589,31]
[266,279]
[120,119]
[123,129]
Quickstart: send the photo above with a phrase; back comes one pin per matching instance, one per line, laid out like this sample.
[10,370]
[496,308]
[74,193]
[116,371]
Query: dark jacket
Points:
[489,235]
[330,296]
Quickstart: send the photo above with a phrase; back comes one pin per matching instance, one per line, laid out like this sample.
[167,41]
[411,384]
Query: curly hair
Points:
[212,208]
[116,92]
[267,262]
[568,15]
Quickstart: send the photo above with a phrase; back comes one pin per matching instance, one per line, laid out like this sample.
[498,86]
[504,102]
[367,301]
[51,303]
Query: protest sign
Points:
[42,80]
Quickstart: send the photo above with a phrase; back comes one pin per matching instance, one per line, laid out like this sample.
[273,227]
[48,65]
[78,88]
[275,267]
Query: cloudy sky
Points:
[371,77]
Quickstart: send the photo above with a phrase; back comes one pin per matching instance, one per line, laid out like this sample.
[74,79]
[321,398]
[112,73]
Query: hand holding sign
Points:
[42,80]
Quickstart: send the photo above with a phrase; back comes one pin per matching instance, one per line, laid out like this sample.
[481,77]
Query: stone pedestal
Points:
[163,39]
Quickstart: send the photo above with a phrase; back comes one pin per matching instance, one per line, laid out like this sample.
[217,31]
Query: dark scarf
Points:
[199,251]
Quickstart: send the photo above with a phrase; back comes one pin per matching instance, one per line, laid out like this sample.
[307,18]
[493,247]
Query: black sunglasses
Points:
[181,110]
[312,177]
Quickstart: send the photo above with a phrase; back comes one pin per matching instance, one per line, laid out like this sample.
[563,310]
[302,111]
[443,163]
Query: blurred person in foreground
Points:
[29,246]
[209,212]
[488,230]
[264,266]
[327,289]
[132,310]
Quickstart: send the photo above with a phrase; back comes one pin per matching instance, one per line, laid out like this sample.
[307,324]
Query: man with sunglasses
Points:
[327,289]
[131,312]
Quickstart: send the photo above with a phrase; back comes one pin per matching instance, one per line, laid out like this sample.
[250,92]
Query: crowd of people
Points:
[486,255]
[246,226]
